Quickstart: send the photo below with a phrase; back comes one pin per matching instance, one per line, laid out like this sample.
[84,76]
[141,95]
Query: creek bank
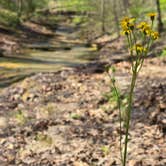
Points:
[12,38]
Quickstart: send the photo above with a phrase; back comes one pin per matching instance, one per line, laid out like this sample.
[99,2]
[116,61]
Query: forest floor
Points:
[67,118]
[64,118]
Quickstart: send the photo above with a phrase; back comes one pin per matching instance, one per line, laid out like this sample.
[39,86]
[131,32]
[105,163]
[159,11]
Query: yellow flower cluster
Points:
[145,28]
[139,48]
[155,35]
[127,25]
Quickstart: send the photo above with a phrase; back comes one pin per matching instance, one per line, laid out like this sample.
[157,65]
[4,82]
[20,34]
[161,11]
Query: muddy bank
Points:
[64,118]
[11,39]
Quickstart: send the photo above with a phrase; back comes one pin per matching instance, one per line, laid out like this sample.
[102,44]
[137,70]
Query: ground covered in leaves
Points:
[66,118]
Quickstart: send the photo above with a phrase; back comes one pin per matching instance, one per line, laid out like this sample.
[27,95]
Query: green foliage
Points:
[12,11]
[20,117]
[77,5]
[111,97]
[163,4]
[75,116]
[140,9]
[44,138]
[163,9]
[8,18]
[79,19]
[105,150]
[8,4]
[163,53]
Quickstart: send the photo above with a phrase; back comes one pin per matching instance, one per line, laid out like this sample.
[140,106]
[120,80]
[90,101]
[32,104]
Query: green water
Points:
[63,51]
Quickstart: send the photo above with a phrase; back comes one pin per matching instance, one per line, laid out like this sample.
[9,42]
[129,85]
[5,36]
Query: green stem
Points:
[129,40]
[134,38]
[120,118]
[143,58]
[134,76]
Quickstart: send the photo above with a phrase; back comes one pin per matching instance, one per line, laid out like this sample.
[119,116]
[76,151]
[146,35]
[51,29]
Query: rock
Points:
[3,123]
[10,157]
[80,163]
[135,163]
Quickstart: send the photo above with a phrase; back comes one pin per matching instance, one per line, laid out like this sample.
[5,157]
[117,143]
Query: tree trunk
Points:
[103,16]
[116,18]
[30,8]
[159,19]
[19,4]
[126,4]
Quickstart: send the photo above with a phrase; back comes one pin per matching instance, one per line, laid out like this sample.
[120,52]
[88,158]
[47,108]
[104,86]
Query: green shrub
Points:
[8,18]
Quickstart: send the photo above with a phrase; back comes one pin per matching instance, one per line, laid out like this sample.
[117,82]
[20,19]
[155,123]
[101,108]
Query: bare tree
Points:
[20,6]
[160,23]
[126,4]
[103,15]
[116,17]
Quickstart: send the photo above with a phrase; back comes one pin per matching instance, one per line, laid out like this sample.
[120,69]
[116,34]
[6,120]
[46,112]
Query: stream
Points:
[63,51]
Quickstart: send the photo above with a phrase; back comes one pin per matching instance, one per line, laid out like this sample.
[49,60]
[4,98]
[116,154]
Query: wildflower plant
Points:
[139,38]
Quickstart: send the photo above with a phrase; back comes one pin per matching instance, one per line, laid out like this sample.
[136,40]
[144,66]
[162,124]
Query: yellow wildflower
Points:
[127,25]
[126,32]
[154,35]
[148,31]
[126,19]
[124,25]
[145,28]
[142,25]
[129,20]
[139,48]
[152,16]
[131,26]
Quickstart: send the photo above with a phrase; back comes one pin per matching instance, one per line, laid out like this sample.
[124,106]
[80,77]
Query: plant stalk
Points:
[120,120]
[134,76]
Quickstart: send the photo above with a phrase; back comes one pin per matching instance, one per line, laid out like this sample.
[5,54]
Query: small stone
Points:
[2,141]
[3,123]
[80,163]
[135,163]
[10,146]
